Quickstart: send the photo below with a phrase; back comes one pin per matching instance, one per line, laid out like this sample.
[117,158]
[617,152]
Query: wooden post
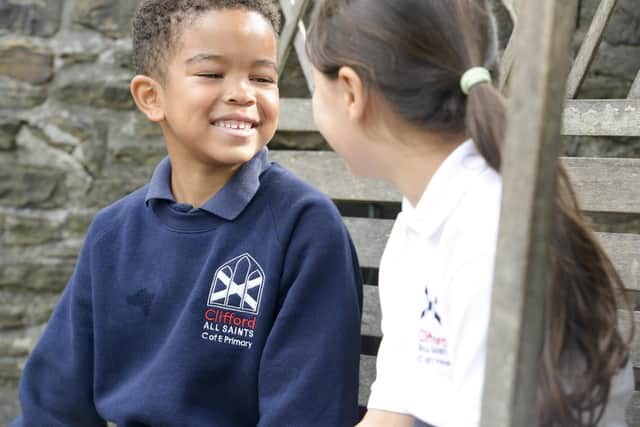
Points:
[589,46]
[529,170]
[634,92]
[290,30]
[293,14]
[509,56]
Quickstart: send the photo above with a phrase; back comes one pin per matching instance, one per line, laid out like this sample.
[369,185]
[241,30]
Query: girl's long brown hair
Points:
[414,53]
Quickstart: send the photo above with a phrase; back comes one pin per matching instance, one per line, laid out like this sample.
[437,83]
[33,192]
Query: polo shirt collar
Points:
[227,203]
[445,190]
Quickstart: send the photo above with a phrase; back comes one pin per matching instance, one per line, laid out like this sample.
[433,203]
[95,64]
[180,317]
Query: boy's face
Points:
[220,94]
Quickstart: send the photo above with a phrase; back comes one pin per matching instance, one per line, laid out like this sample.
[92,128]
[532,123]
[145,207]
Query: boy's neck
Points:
[195,184]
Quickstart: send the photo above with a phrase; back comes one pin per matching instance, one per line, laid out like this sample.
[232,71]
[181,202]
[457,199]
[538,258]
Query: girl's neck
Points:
[417,156]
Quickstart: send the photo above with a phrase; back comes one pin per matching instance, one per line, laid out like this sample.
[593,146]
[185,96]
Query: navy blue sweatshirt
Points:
[243,312]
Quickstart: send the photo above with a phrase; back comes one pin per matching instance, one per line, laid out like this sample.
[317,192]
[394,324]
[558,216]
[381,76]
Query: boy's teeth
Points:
[232,124]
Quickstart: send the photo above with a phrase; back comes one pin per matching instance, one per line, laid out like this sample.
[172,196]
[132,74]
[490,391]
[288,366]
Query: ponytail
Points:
[485,120]
[581,320]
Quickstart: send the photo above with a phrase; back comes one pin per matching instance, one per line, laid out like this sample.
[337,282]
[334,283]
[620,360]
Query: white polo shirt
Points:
[435,285]
[435,292]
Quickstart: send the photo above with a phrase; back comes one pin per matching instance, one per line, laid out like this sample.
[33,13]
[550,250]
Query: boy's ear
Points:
[147,93]
[354,92]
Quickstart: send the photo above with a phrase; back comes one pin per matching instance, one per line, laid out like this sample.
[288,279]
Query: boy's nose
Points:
[239,92]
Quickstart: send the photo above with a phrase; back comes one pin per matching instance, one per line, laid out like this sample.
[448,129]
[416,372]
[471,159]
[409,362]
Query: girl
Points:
[403,92]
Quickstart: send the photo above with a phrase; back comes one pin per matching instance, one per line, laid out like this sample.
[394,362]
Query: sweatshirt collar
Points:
[445,190]
[227,203]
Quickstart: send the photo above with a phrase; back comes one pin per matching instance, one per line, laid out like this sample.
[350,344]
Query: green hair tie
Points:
[474,76]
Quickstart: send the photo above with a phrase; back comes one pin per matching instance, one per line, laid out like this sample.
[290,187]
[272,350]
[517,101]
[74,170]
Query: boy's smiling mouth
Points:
[233,124]
[237,126]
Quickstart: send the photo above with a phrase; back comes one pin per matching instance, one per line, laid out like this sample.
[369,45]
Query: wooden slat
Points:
[327,172]
[581,117]
[515,8]
[367,375]
[299,42]
[508,57]
[634,92]
[606,185]
[290,29]
[296,115]
[370,235]
[602,117]
[589,46]
[371,313]
[603,185]
[372,316]
[623,323]
[633,411]
[624,251]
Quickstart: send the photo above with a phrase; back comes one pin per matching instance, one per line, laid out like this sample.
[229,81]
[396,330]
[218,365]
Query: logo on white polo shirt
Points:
[237,285]
[433,346]
[432,306]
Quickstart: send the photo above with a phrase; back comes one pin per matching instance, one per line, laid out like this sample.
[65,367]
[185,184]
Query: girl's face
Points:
[333,114]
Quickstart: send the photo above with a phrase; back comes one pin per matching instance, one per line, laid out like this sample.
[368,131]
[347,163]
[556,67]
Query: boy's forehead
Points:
[219,34]
[233,22]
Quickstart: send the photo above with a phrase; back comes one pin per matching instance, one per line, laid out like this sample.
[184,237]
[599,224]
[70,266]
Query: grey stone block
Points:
[31,17]
[22,60]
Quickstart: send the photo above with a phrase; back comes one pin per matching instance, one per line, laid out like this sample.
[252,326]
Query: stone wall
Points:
[71,143]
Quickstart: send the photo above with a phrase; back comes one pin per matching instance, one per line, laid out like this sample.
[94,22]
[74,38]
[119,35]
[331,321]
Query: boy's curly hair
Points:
[157,26]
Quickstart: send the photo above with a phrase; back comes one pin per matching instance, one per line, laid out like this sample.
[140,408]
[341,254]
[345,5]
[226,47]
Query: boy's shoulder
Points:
[115,214]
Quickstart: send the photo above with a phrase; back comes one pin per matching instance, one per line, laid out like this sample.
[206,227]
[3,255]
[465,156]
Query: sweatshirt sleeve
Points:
[309,367]
[56,387]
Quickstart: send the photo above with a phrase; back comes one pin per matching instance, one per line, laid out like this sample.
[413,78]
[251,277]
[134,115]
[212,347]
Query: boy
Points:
[225,292]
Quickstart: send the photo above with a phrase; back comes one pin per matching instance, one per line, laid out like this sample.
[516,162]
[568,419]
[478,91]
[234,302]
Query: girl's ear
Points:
[353,91]
[147,93]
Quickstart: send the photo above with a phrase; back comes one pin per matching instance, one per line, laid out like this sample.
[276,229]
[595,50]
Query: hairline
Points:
[159,67]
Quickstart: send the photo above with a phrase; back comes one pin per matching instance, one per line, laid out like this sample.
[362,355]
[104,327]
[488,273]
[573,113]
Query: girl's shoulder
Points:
[473,224]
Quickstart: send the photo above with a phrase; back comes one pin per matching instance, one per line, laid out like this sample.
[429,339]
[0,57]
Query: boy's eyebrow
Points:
[203,57]
[268,63]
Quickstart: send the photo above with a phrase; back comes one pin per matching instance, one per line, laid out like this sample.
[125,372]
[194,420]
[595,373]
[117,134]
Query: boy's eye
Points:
[261,79]
[211,75]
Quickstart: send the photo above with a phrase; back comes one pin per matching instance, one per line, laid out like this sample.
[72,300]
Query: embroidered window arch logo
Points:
[237,285]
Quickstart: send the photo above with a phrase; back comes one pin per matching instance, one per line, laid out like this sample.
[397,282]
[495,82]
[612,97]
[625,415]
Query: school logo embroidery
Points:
[431,307]
[237,285]
[235,295]
[433,347]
